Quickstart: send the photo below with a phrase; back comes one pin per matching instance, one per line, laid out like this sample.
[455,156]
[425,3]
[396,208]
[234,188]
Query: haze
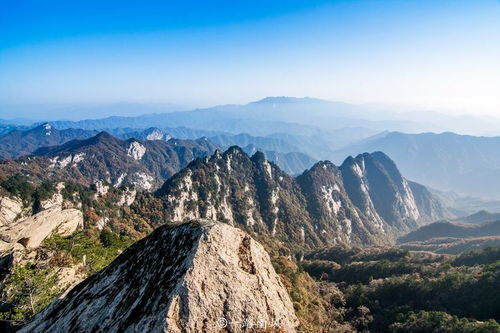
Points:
[405,55]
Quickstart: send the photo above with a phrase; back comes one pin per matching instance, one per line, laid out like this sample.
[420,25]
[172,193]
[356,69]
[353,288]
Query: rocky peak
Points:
[376,187]
[365,201]
[201,276]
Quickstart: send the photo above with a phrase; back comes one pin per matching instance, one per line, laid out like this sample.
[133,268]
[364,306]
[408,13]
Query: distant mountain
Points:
[293,163]
[464,164]
[6,128]
[481,217]
[298,116]
[23,142]
[324,205]
[164,133]
[263,143]
[452,230]
[462,205]
[104,158]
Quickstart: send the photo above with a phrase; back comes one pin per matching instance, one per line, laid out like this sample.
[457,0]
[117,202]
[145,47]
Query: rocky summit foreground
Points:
[202,276]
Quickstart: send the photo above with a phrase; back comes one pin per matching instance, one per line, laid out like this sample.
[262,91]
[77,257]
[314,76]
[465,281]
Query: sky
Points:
[413,54]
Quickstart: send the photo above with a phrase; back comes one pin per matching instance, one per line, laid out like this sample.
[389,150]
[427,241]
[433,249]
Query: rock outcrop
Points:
[17,226]
[10,209]
[31,231]
[201,276]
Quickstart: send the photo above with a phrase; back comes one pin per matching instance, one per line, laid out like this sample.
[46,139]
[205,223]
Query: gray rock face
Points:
[378,189]
[202,276]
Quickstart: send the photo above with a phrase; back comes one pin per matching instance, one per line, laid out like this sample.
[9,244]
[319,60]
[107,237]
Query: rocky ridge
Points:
[325,205]
[104,158]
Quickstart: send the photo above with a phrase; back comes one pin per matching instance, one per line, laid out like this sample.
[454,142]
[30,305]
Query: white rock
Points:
[155,135]
[101,189]
[127,198]
[33,230]
[102,222]
[136,150]
[10,209]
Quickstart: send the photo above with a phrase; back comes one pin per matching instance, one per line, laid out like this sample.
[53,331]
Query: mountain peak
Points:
[286,100]
[201,276]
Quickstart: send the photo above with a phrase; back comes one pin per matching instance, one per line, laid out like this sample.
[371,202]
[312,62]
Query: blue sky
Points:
[442,55]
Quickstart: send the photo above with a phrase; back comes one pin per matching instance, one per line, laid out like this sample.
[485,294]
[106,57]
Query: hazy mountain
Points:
[6,128]
[481,217]
[321,206]
[165,133]
[298,116]
[104,158]
[292,163]
[464,164]
[452,230]
[263,143]
[23,142]
[462,205]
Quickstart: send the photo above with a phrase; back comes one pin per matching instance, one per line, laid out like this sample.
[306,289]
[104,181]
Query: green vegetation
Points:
[414,292]
[28,290]
[437,321]
[19,186]
[97,251]
[478,257]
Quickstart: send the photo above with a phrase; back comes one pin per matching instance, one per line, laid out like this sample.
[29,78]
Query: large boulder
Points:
[202,276]
[31,231]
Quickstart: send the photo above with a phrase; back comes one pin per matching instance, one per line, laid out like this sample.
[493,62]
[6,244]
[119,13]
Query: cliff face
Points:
[201,276]
[378,189]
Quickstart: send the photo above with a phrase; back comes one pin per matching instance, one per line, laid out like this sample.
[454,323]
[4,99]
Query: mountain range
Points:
[24,142]
[104,158]
[464,164]
[296,116]
[364,201]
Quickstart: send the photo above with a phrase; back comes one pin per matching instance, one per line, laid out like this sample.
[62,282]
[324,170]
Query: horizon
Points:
[416,55]
[93,111]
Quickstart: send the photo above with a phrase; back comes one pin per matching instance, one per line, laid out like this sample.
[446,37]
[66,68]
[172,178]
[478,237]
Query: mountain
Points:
[324,205]
[104,158]
[293,163]
[164,133]
[263,143]
[23,142]
[464,164]
[454,230]
[298,116]
[462,205]
[452,237]
[6,128]
[376,186]
[480,217]
[197,277]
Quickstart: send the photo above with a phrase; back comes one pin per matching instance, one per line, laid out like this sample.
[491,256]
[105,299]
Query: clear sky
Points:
[434,54]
